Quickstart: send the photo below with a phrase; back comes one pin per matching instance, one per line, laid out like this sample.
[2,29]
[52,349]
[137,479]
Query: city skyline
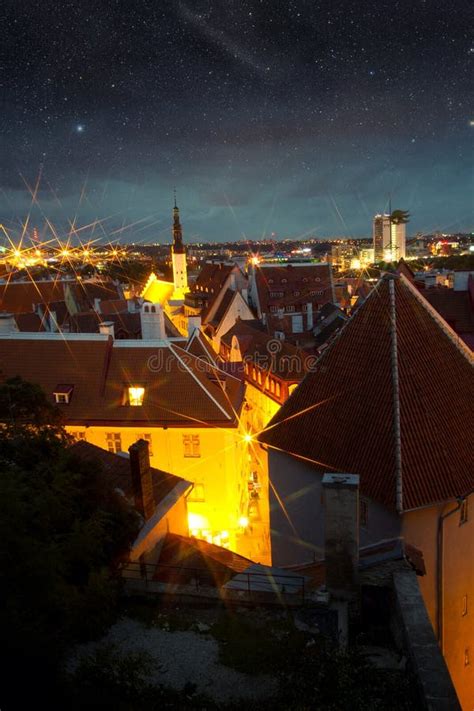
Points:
[297,122]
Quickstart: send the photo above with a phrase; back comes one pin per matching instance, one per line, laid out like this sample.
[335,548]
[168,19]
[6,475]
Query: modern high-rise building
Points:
[381,236]
[389,239]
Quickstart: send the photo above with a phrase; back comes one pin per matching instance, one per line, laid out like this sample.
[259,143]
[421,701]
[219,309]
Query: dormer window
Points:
[136,393]
[62,394]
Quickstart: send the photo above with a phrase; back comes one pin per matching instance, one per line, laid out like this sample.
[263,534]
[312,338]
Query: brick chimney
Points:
[341,500]
[142,481]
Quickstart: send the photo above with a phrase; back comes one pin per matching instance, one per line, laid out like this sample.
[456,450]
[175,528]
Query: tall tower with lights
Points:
[178,254]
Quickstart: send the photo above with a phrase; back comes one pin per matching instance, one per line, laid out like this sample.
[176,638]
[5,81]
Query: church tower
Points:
[178,254]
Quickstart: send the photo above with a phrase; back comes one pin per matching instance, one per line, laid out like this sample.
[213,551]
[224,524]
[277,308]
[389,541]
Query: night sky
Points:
[296,117]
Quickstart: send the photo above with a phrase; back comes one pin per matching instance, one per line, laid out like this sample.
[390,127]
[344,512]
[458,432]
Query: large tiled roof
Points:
[116,468]
[180,390]
[85,293]
[212,277]
[209,284]
[18,297]
[243,327]
[395,365]
[297,284]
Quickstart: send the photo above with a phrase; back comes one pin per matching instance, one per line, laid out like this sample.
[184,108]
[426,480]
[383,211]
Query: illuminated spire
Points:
[178,247]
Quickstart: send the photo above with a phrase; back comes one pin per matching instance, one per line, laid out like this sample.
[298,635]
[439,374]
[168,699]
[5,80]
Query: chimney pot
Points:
[107,328]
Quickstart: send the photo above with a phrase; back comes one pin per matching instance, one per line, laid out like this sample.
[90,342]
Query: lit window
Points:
[277,389]
[363,513]
[79,435]
[114,442]
[147,438]
[191,446]
[259,377]
[135,395]
[463,514]
[197,493]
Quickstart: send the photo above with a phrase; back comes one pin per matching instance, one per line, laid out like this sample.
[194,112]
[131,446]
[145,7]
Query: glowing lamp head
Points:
[248,438]
[243,522]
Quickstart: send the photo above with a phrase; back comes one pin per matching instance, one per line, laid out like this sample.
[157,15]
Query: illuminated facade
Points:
[113,393]
[381,236]
[389,239]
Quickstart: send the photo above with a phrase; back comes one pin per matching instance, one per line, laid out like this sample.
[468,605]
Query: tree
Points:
[25,404]
[400,217]
[62,529]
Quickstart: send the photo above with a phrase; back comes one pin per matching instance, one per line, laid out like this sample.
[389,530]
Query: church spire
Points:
[178,246]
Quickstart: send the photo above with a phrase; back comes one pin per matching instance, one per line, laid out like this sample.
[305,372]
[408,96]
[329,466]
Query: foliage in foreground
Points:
[61,528]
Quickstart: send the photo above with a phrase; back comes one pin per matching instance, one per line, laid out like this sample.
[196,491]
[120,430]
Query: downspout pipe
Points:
[439,567]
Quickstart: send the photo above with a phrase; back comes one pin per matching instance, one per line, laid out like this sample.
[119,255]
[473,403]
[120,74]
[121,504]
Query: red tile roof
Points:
[18,297]
[212,277]
[85,293]
[113,306]
[209,284]
[116,469]
[31,323]
[297,284]
[349,403]
[180,390]
[456,307]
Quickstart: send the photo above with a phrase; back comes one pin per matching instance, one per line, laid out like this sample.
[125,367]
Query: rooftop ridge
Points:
[211,365]
[396,398]
[451,334]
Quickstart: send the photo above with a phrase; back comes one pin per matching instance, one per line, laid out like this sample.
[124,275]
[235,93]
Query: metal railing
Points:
[252,582]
